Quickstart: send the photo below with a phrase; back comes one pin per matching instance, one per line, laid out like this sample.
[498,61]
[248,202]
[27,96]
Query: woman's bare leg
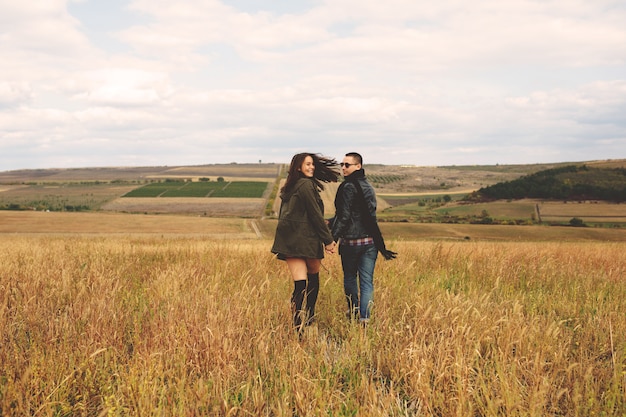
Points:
[302,271]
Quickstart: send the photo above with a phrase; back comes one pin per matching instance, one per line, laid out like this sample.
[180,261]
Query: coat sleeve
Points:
[315,214]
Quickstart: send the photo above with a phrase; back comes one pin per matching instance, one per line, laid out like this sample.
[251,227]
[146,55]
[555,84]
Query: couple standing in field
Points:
[303,235]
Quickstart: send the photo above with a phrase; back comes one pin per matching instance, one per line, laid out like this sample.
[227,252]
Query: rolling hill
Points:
[568,183]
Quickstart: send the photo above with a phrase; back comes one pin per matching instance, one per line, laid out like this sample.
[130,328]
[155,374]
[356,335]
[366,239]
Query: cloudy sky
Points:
[157,82]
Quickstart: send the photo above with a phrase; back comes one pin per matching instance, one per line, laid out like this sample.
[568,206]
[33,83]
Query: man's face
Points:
[348,166]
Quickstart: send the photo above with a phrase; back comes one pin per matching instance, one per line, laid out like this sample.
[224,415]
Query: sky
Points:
[93,83]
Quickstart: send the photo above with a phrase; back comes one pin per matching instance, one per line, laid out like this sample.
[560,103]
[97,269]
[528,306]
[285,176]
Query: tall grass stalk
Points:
[144,326]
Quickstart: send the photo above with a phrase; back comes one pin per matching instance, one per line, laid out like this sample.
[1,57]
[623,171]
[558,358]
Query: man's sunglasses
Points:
[345,164]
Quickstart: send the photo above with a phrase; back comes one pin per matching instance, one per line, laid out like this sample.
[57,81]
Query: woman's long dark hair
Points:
[326,170]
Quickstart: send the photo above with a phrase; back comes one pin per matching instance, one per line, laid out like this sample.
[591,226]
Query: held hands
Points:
[331,247]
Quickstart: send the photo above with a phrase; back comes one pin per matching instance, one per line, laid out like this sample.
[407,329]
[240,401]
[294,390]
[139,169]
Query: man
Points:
[356,229]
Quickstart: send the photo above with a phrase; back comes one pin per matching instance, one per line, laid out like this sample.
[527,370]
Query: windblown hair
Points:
[326,170]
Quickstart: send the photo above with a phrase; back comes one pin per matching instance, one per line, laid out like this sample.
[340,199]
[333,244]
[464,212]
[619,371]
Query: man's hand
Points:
[388,254]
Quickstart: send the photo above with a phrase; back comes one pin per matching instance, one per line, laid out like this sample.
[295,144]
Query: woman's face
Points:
[308,167]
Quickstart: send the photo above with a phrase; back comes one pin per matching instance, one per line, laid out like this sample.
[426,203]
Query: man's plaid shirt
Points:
[358,242]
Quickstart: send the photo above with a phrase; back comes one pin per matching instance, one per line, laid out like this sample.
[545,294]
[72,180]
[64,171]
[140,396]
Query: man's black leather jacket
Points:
[348,222]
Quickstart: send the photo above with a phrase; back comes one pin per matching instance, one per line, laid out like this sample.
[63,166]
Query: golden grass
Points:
[153,325]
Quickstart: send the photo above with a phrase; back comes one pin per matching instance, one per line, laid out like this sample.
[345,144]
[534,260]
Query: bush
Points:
[576,222]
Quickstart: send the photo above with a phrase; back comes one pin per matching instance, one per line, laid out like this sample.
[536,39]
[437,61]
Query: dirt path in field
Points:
[256,229]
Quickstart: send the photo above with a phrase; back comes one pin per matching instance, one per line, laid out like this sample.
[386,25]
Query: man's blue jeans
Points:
[359,260]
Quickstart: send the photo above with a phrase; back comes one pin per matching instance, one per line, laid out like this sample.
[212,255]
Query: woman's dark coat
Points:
[302,231]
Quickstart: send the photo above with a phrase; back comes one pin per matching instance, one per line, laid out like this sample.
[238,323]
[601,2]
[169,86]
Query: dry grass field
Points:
[59,195]
[33,222]
[211,207]
[590,211]
[549,211]
[132,325]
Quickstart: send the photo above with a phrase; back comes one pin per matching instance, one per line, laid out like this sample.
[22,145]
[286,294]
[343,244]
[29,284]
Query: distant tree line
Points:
[573,183]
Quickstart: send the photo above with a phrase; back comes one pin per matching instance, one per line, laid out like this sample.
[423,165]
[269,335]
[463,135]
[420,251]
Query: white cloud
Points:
[14,93]
[125,86]
[445,82]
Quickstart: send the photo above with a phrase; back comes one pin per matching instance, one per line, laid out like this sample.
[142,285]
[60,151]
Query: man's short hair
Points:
[357,157]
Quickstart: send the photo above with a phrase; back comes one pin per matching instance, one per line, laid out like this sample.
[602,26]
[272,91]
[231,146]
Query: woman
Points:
[302,234]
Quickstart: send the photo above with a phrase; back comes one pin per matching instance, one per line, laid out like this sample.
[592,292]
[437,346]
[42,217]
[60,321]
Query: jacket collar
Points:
[360,173]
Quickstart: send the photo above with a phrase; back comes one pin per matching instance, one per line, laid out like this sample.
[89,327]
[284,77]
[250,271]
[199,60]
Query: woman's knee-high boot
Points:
[312,290]
[297,299]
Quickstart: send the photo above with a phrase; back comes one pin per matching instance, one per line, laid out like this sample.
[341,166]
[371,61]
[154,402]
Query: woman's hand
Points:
[330,248]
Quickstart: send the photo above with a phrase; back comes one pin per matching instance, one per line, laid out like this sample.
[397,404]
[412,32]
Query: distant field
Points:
[522,209]
[62,196]
[211,171]
[28,222]
[93,189]
[406,193]
[525,210]
[245,198]
[208,207]
[412,200]
[237,189]
[487,232]
[600,212]
[32,222]
[227,171]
